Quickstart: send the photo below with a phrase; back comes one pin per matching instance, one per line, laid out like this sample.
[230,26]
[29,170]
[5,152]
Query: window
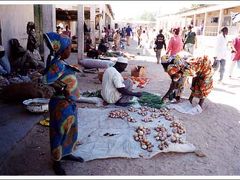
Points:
[226,21]
[214,20]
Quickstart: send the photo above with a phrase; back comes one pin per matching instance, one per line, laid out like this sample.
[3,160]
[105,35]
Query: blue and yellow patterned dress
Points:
[63,111]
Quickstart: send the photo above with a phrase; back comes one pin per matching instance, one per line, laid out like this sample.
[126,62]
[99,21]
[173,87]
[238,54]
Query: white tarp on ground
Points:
[95,123]
[186,107]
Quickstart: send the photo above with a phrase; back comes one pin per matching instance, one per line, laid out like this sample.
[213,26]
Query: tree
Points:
[197,6]
[148,16]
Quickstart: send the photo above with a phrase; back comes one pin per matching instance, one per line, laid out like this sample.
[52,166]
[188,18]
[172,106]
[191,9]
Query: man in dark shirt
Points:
[190,40]
[102,48]
[128,34]
[159,44]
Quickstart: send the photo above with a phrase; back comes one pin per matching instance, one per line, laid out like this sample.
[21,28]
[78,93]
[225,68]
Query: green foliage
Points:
[197,5]
[92,94]
[145,16]
[150,100]
[148,16]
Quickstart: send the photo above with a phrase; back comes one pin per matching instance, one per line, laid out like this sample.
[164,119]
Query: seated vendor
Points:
[4,62]
[102,47]
[116,90]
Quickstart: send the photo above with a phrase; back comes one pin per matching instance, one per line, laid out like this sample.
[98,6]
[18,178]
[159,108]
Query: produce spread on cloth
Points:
[129,132]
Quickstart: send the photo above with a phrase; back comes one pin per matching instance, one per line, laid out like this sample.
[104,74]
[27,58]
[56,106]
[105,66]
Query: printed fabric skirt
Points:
[180,86]
[201,87]
[63,127]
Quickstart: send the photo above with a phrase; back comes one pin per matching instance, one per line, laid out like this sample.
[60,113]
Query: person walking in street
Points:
[62,106]
[152,38]
[116,40]
[183,34]
[144,40]
[128,35]
[139,33]
[236,55]
[159,44]
[221,51]
[175,43]
[190,42]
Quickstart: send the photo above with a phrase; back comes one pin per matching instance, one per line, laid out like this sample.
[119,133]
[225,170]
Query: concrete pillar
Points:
[194,20]
[100,22]
[92,22]
[205,23]
[49,23]
[220,19]
[104,15]
[80,31]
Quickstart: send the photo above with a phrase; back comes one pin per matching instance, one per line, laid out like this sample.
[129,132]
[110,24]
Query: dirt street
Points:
[215,132]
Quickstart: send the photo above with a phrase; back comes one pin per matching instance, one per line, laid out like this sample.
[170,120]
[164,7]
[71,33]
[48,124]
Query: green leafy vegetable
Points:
[150,100]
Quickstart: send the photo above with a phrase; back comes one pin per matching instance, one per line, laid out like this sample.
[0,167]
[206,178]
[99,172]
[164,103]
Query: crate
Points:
[138,71]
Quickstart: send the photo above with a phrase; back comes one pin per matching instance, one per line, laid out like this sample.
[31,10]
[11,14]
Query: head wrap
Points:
[122,60]
[57,43]
[173,69]
[167,59]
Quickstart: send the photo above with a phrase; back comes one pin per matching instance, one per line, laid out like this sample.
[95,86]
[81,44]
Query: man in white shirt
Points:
[221,52]
[116,90]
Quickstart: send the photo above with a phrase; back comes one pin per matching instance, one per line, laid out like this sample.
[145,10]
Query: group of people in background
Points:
[186,40]
[66,31]
[180,62]
[181,39]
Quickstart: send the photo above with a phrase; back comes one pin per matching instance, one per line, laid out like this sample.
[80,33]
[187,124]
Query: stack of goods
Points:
[140,81]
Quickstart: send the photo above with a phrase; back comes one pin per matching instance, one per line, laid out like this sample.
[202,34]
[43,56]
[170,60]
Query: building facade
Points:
[207,19]
[14,19]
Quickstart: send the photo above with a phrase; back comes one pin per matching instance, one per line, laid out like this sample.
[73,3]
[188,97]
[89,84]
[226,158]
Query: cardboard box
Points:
[100,75]
[138,71]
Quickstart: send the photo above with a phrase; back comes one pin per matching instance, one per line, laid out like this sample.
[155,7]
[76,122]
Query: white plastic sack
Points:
[91,100]
[96,63]
[186,107]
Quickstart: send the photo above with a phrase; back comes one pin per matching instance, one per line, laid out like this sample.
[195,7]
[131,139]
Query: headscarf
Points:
[166,59]
[173,69]
[57,43]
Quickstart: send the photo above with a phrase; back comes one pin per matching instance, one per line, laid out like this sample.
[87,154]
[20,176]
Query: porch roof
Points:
[200,10]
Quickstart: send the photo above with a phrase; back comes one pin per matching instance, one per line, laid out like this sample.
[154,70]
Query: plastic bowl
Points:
[36,105]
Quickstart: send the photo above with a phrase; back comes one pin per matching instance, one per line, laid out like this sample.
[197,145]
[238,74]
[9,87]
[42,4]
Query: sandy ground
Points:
[215,132]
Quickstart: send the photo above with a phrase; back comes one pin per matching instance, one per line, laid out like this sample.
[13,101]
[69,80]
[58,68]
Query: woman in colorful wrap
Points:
[177,81]
[201,70]
[62,107]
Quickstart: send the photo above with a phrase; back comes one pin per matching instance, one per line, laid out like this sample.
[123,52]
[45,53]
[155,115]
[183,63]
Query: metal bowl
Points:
[36,105]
